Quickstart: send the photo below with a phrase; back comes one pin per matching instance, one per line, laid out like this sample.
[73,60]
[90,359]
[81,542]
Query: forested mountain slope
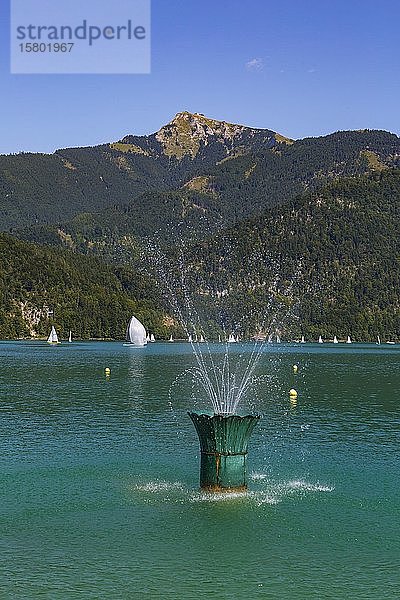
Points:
[193,168]
[41,286]
[337,251]
[311,224]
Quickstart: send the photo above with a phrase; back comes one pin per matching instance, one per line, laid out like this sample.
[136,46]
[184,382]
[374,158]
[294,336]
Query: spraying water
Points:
[225,378]
[222,384]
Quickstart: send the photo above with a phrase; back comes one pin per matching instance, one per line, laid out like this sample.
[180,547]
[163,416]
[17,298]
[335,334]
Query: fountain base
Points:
[223,445]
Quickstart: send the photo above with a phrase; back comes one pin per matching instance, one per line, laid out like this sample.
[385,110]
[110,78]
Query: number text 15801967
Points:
[43,47]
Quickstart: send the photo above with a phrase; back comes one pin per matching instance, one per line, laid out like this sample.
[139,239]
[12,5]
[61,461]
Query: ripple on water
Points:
[274,492]
[158,485]
[271,491]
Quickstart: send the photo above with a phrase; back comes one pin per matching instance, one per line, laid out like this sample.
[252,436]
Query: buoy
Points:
[107,371]
[293,393]
[295,368]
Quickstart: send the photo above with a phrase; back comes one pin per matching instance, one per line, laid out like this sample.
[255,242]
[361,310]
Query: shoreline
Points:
[185,341]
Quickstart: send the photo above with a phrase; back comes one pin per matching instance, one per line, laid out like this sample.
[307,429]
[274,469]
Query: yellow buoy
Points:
[107,371]
[295,368]
[293,393]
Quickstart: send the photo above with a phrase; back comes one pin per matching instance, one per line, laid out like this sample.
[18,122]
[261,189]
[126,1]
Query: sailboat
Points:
[171,339]
[335,340]
[378,341]
[136,333]
[53,337]
[348,341]
[231,339]
[202,338]
[70,336]
[278,339]
[152,338]
[302,341]
[320,341]
[190,339]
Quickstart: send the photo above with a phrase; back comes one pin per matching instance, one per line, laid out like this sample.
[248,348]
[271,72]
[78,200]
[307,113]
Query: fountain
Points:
[223,444]
[223,435]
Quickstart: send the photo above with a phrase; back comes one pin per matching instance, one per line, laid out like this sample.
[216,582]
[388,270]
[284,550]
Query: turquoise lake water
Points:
[99,490]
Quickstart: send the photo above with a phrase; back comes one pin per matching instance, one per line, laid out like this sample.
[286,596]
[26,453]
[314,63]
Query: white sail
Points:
[237,339]
[70,337]
[231,339]
[379,341]
[171,339]
[335,340]
[136,333]
[190,339]
[278,339]
[348,340]
[219,339]
[152,338]
[320,341]
[202,338]
[302,341]
[53,337]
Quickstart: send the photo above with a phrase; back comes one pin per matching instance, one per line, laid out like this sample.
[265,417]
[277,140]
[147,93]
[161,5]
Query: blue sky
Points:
[299,67]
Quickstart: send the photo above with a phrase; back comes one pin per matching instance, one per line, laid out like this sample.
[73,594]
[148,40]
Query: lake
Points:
[99,493]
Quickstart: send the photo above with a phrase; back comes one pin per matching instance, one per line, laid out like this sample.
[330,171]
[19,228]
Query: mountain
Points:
[39,188]
[305,227]
[194,169]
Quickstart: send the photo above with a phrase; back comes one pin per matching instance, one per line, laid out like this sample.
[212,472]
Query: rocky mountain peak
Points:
[188,132]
